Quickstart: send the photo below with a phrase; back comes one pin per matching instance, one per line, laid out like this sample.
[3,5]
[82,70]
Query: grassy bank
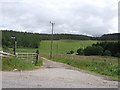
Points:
[107,66]
[11,63]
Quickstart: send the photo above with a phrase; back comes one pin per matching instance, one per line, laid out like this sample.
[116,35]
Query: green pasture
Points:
[59,46]
[64,46]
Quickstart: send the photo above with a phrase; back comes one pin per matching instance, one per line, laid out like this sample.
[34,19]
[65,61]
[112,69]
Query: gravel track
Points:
[54,75]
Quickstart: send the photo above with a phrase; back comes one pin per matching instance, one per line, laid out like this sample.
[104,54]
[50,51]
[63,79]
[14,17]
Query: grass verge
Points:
[107,66]
[11,63]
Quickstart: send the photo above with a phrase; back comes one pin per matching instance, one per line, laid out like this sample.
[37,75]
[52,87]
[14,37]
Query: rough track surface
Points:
[54,75]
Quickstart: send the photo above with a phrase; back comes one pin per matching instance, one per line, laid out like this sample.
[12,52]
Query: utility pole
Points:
[51,50]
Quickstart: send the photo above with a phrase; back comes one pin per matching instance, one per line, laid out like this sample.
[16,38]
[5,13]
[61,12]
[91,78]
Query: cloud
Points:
[70,16]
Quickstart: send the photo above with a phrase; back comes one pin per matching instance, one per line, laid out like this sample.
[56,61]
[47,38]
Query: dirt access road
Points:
[54,75]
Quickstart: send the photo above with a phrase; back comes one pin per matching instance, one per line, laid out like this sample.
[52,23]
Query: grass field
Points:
[59,46]
[64,46]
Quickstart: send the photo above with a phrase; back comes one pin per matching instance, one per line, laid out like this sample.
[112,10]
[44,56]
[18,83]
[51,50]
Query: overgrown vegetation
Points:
[93,50]
[102,65]
[11,63]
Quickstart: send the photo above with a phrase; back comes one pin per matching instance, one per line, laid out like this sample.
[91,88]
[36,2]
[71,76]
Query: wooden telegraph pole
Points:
[51,49]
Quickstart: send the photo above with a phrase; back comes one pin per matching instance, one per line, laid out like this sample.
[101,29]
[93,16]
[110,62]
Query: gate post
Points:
[37,57]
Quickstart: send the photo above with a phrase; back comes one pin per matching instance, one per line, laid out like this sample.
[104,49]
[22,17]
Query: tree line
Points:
[100,49]
[24,39]
[64,36]
[32,40]
[27,39]
[113,36]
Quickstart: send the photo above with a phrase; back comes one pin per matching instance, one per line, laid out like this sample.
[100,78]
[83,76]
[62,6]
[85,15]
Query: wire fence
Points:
[30,57]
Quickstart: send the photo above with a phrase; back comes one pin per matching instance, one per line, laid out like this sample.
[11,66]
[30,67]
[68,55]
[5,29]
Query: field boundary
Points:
[5,54]
[26,56]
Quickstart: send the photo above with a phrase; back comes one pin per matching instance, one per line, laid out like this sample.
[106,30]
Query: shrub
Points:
[68,52]
[71,52]
[113,47]
[80,51]
[117,55]
[93,50]
[107,53]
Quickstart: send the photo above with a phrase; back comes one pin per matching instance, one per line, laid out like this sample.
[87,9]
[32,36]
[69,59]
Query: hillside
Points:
[27,39]
[114,36]
[24,39]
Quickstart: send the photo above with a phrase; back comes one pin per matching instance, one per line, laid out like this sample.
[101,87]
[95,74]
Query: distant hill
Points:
[114,36]
[64,36]
[27,39]
[24,39]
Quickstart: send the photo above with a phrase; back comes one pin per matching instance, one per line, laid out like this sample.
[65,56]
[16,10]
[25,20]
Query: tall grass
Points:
[11,63]
[28,50]
[102,65]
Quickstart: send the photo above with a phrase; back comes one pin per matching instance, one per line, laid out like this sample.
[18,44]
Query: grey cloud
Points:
[69,16]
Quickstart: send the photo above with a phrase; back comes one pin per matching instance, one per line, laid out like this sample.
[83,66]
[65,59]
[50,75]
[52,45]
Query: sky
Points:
[87,17]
